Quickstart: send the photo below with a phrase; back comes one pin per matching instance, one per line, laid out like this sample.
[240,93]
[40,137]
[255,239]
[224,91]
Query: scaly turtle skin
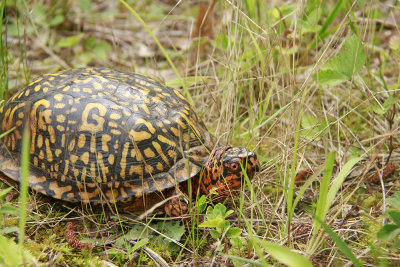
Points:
[103,136]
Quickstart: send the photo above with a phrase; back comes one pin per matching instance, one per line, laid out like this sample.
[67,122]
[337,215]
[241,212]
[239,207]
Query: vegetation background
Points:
[311,86]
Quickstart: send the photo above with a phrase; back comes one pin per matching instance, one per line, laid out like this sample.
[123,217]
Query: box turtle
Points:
[102,136]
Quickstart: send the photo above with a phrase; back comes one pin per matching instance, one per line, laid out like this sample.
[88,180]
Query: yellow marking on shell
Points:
[41,154]
[49,153]
[136,155]
[53,186]
[181,123]
[39,141]
[74,158]
[81,140]
[146,109]
[9,117]
[166,140]
[34,118]
[123,161]
[139,136]
[27,92]
[102,167]
[115,132]
[159,150]
[91,127]
[76,89]
[37,88]
[115,116]
[149,153]
[174,131]
[83,174]
[111,159]
[73,109]
[149,169]
[58,152]
[17,134]
[93,144]
[87,90]
[159,124]
[60,118]
[35,161]
[21,115]
[179,94]
[43,166]
[44,119]
[60,128]
[63,140]
[193,127]
[58,97]
[57,167]
[157,89]
[148,125]
[36,81]
[93,173]
[66,88]
[71,145]
[135,108]
[13,143]
[97,86]
[113,124]
[135,169]
[59,105]
[159,166]
[171,153]
[167,121]
[104,142]
[52,133]
[76,172]
[85,157]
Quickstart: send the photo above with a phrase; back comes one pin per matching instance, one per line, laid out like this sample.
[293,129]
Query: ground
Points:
[311,86]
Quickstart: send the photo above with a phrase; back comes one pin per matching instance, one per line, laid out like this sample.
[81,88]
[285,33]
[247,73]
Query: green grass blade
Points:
[340,243]
[323,191]
[23,193]
[338,181]
[283,254]
[160,46]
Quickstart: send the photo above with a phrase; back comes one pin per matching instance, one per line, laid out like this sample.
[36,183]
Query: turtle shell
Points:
[99,135]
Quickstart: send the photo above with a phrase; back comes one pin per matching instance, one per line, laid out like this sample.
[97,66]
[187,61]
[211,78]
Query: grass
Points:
[308,86]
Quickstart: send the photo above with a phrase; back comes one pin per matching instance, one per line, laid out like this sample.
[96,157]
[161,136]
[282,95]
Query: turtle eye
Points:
[234,166]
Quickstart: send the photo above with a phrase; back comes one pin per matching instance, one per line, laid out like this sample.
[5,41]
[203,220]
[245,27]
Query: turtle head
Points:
[225,168]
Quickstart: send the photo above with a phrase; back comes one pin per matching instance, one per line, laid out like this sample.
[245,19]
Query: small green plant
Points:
[391,231]
[216,218]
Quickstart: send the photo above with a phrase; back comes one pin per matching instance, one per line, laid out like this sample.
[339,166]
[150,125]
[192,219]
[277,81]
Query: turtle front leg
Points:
[177,205]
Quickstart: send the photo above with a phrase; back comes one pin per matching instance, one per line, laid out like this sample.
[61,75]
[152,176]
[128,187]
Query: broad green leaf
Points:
[388,232]
[283,254]
[141,243]
[215,234]
[233,232]
[101,50]
[172,229]
[394,200]
[330,77]
[57,20]
[70,41]
[352,57]
[395,216]
[390,101]
[217,222]
[378,109]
